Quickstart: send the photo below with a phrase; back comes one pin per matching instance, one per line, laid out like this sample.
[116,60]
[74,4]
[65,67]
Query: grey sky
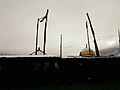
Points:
[18,24]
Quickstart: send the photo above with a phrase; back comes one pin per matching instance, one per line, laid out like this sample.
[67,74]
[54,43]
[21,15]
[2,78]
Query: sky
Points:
[18,19]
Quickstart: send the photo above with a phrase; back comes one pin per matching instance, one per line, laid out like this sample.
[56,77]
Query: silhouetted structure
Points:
[87,52]
[61,46]
[96,47]
[36,48]
[46,19]
[119,40]
[88,37]
[36,51]
[37,36]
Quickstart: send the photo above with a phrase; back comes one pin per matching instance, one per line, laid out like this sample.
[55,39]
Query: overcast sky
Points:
[67,17]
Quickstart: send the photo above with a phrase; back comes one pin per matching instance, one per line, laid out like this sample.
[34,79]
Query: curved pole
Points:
[37,36]
[61,46]
[37,51]
[96,47]
[119,39]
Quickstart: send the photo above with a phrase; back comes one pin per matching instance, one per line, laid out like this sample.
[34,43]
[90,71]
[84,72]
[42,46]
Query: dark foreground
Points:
[56,73]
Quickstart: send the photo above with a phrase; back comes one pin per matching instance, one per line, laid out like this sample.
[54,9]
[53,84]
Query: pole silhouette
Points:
[37,37]
[88,37]
[61,46]
[95,43]
[119,39]
[46,19]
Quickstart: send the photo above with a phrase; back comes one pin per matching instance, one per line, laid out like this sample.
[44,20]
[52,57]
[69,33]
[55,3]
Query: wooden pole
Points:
[95,43]
[37,36]
[46,17]
[119,39]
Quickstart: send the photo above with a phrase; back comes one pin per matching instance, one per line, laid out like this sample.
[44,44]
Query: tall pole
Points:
[119,40]
[37,36]
[96,47]
[61,46]
[88,37]
[45,17]
[45,37]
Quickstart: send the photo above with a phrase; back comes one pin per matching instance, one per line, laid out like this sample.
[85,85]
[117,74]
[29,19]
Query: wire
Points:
[92,41]
[107,37]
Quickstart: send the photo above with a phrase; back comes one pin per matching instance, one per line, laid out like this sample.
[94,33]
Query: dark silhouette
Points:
[42,19]
[46,19]
[96,47]
[37,51]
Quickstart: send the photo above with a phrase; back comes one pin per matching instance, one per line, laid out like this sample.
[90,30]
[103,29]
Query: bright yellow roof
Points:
[85,52]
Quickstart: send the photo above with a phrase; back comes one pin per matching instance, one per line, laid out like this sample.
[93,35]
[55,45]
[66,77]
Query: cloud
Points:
[110,51]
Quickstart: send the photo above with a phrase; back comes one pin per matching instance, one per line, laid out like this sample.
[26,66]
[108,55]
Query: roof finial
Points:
[86,45]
